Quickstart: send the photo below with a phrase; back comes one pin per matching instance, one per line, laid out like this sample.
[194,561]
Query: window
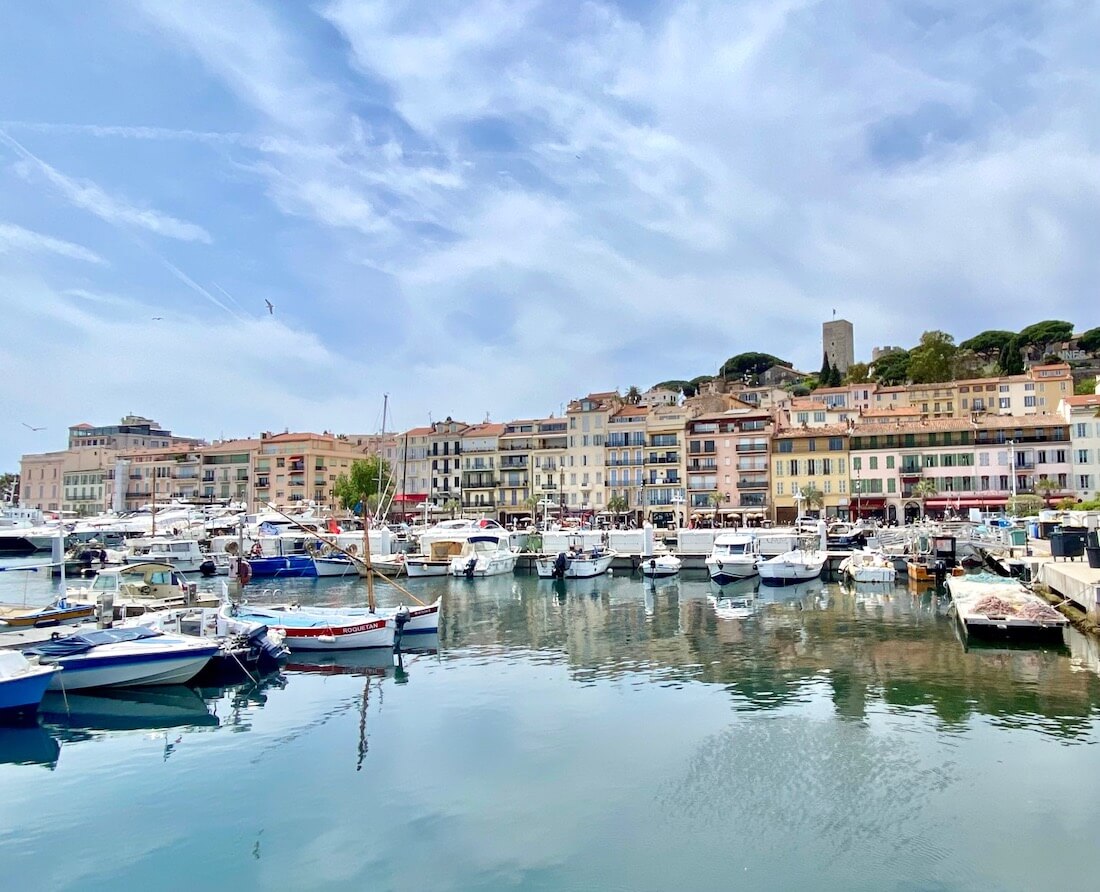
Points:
[785,446]
[819,417]
[812,445]
[1084,482]
[802,417]
[828,488]
[1004,402]
[1082,456]
[874,462]
[1082,430]
[983,459]
[891,485]
[1029,402]
[857,463]
[779,489]
[1003,388]
[889,463]
[836,444]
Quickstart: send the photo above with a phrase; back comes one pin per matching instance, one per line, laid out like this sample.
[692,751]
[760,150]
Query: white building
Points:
[1082,413]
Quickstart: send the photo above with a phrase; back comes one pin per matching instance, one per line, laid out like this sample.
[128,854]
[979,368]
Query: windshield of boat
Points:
[105,582]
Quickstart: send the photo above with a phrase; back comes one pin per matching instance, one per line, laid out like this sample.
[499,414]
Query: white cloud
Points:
[16,238]
[89,196]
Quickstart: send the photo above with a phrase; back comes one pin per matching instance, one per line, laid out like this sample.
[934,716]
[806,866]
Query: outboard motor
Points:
[471,564]
[939,572]
[559,566]
[207,568]
[399,620]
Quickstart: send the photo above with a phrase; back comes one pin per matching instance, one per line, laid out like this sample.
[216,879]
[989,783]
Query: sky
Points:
[488,208]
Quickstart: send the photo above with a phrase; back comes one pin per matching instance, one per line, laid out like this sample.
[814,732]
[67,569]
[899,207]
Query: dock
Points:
[1004,610]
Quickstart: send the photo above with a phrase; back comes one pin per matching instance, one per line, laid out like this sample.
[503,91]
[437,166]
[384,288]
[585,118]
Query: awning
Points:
[989,502]
[412,498]
[869,500]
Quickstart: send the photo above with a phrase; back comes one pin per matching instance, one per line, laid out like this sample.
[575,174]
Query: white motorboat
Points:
[867,566]
[485,554]
[660,566]
[137,588]
[308,630]
[123,657]
[183,554]
[792,567]
[436,561]
[575,564]
[734,556]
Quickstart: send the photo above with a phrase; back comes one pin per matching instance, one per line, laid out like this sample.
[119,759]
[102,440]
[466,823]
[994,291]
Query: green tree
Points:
[617,505]
[1045,486]
[924,490]
[835,378]
[1011,361]
[930,361]
[9,488]
[826,370]
[1042,333]
[699,380]
[858,373]
[1090,340]
[451,505]
[967,364]
[1023,506]
[751,364]
[892,368]
[684,387]
[812,497]
[633,395]
[715,499]
[988,344]
[1085,387]
[361,481]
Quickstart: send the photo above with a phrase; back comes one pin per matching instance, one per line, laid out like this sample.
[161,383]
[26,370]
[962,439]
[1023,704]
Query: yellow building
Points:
[292,468]
[805,459]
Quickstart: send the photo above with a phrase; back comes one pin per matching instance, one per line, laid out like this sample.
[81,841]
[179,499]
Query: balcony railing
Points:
[752,484]
[624,462]
[752,447]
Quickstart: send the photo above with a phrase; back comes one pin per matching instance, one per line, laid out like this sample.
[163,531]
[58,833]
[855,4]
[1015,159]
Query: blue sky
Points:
[493,207]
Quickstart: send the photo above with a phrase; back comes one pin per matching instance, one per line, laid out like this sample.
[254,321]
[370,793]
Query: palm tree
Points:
[617,505]
[715,499]
[1046,486]
[633,395]
[924,490]
[451,505]
[813,497]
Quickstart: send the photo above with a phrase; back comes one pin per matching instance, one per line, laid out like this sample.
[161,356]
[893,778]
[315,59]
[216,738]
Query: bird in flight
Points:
[270,306]
[31,427]
[157,318]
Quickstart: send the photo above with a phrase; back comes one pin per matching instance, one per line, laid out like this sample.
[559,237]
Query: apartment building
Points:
[663,473]
[444,456]
[515,446]
[808,457]
[548,464]
[586,453]
[624,458]
[1082,414]
[727,464]
[480,475]
[228,472]
[969,465]
[294,467]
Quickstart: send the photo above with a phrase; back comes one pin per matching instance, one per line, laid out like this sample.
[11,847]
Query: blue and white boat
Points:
[734,556]
[22,684]
[286,566]
[123,657]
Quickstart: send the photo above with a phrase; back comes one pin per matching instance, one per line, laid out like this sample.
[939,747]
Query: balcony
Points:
[698,449]
[705,465]
[752,447]
[746,483]
[261,482]
[1024,465]
[514,461]
[911,471]
[663,460]
[624,462]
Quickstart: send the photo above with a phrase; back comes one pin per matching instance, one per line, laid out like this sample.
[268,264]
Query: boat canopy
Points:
[79,644]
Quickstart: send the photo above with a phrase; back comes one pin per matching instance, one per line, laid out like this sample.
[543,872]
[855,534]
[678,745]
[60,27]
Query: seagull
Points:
[157,318]
[270,306]
[31,427]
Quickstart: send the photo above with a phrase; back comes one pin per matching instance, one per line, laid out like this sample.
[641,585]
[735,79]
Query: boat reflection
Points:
[77,715]
[29,744]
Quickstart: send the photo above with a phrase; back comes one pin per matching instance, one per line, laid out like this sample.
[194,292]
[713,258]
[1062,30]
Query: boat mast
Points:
[154,499]
[385,405]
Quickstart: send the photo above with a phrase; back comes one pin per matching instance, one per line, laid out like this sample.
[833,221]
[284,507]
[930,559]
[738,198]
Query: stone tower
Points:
[839,344]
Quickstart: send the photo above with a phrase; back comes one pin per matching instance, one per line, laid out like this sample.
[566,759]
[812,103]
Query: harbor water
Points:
[606,734]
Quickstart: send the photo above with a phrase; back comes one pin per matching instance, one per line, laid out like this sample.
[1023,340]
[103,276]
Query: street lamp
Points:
[1012,470]
[859,492]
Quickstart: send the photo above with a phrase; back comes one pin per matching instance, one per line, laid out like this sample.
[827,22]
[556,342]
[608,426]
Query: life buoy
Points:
[244,572]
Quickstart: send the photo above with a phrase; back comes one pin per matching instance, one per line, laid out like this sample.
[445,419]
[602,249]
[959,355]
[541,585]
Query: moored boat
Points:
[867,566]
[23,682]
[306,630]
[122,657]
[734,556]
[575,564]
[792,567]
[421,619]
[485,554]
[58,612]
[660,566]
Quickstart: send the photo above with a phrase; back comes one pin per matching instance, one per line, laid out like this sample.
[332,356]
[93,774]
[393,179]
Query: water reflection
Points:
[28,744]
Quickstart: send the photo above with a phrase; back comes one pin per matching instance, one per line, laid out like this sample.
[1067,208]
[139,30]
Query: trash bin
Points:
[1018,538]
[1033,529]
[1067,543]
[1046,528]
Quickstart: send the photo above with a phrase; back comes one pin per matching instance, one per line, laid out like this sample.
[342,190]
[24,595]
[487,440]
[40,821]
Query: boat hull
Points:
[417,568]
[21,694]
[293,566]
[421,620]
[122,670]
[338,630]
[496,566]
[730,569]
[331,567]
[575,568]
[791,568]
[48,616]
[660,568]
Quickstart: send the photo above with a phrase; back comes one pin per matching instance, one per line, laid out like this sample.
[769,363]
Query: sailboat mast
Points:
[154,498]
[385,405]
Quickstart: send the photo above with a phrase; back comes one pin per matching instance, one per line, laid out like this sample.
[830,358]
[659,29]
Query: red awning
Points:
[990,502]
[412,498]
[867,500]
